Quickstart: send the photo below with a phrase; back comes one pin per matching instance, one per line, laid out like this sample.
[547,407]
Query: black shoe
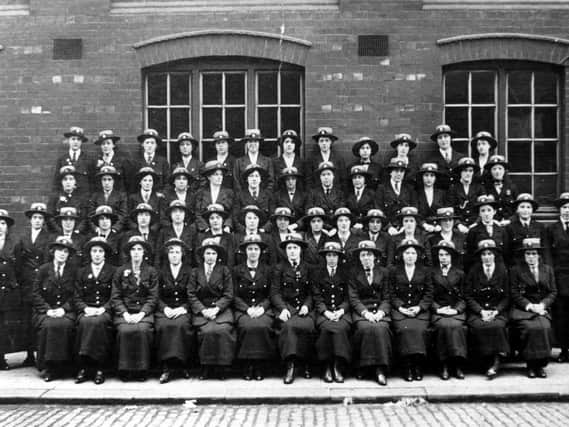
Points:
[29,361]
[204,373]
[458,373]
[258,373]
[563,356]
[530,372]
[99,378]
[444,372]
[540,373]
[327,377]
[186,374]
[492,371]
[222,373]
[4,365]
[81,376]
[48,376]
[359,374]
[248,374]
[417,373]
[307,374]
[380,376]
[408,374]
[165,376]
[141,377]
[124,376]
[289,374]
[337,373]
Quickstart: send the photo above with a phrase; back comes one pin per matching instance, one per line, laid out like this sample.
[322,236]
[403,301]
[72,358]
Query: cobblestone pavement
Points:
[402,413]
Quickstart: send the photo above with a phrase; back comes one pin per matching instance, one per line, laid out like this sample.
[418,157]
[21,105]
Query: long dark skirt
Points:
[411,336]
[296,337]
[174,338]
[216,342]
[256,337]
[94,337]
[535,338]
[489,338]
[134,343]
[449,337]
[55,339]
[373,344]
[561,321]
[334,340]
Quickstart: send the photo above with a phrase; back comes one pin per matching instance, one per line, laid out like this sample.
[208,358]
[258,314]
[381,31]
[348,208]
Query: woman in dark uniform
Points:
[180,226]
[482,147]
[253,314]
[104,219]
[487,299]
[448,310]
[251,218]
[134,297]
[409,219]
[333,318]
[501,186]
[411,299]
[371,307]
[290,144]
[211,294]
[144,218]
[53,316]
[314,234]
[148,192]
[363,150]
[292,298]
[429,196]
[94,341]
[360,197]
[533,289]
[174,336]
[347,237]
[373,230]
[215,216]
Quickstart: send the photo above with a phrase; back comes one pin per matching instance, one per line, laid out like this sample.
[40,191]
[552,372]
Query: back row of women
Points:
[258,279]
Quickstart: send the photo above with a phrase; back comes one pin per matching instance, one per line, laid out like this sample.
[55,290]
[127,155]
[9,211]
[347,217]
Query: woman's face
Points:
[175,254]
[410,256]
[365,151]
[282,223]
[444,257]
[327,178]
[564,212]
[68,183]
[216,177]
[343,223]
[487,213]
[402,149]
[374,225]
[358,181]
[137,253]
[483,147]
[253,146]
[324,143]
[221,147]
[107,182]
[67,225]
[290,182]
[147,182]
[74,143]
[104,222]
[253,252]
[367,258]
[409,224]
[251,221]
[143,219]
[3,227]
[397,174]
[531,257]
[178,215]
[215,221]
[210,256]
[487,257]
[288,146]
[149,146]
[316,224]
[447,224]
[37,221]
[332,259]
[186,148]
[97,255]
[444,140]
[525,210]
[254,180]
[429,179]
[497,171]
[293,251]
[107,146]
[181,183]
[466,174]
[60,254]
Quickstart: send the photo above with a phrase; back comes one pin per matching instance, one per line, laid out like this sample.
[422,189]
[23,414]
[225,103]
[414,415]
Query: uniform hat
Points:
[526,197]
[343,211]
[251,239]
[149,133]
[174,241]
[359,170]
[396,163]
[76,131]
[485,199]
[67,212]
[187,136]
[293,238]
[333,247]
[408,211]
[292,171]
[143,207]
[324,131]
[67,170]
[222,135]
[441,129]
[97,241]
[374,213]
[446,213]
[561,200]
[531,243]
[487,136]
[6,217]
[37,208]
[146,170]
[447,246]
[104,210]
[429,168]
[365,140]
[252,167]
[180,170]
[212,166]
[107,134]
[289,133]
[137,240]
[487,244]
[403,137]
[466,162]
[314,212]
[211,243]
[409,243]
[282,211]
[496,159]
[252,135]
[62,242]
[107,170]
[177,204]
[216,208]
[323,166]
[256,210]
[366,245]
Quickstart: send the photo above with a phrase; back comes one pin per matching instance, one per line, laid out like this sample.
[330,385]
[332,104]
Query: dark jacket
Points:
[91,291]
[217,292]
[483,294]
[330,293]
[448,290]
[172,292]
[251,291]
[374,297]
[132,297]
[525,290]
[463,203]
[409,293]
[290,288]
[51,292]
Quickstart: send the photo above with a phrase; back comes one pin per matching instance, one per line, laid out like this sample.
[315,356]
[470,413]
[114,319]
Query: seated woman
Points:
[487,299]
[429,196]
[148,194]
[448,310]
[411,299]
[53,315]
[373,230]
[501,187]
[179,226]
[408,220]
[109,195]
[250,218]
[370,303]
[144,218]
[103,220]
[210,293]
[533,290]
[253,314]
[360,198]
[174,336]
[345,236]
[134,297]
[94,341]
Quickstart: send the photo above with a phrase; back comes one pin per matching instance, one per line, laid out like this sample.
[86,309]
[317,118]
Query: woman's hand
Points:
[303,311]
[285,315]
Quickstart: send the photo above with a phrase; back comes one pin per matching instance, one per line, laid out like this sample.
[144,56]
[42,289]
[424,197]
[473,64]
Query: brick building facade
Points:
[198,65]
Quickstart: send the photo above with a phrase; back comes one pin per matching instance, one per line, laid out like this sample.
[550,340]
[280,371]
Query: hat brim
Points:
[453,252]
[296,139]
[300,243]
[141,138]
[70,134]
[400,216]
[207,214]
[114,138]
[106,247]
[333,137]
[9,220]
[260,214]
[135,213]
[274,217]
[436,134]
[323,252]
[356,147]
[140,175]
[396,142]
[365,174]
[128,246]
[60,217]
[400,249]
[494,204]
[207,172]
[262,245]
[95,217]
[355,253]
[538,248]
[221,253]
[100,174]
[169,210]
[560,202]
[56,245]
[175,175]
[261,171]
[458,169]
[534,204]
[494,249]
[489,166]
[29,213]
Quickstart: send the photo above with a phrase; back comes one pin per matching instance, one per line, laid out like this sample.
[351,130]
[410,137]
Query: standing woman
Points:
[333,318]
[429,196]
[348,239]
[370,301]
[409,219]
[53,316]
[10,296]
[147,193]
[174,336]
[108,157]
[134,297]
[487,299]
[290,193]
[324,138]
[482,147]
[180,227]
[251,218]
[364,149]
[292,298]
[253,314]
[360,198]
[533,289]
[411,299]
[94,341]
[290,144]
[500,185]
[448,310]
[210,293]
[463,193]
[403,145]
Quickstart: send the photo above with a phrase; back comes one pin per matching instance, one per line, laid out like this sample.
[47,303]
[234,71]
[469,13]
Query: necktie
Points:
[488,272]
[252,271]
[447,156]
[148,159]
[106,196]
[255,194]
[369,275]
[358,194]
[145,236]
[397,188]
[535,273]
[291,196]
[208,271]
[567,227]
[73,156]
[327,192]
[332,271]
[58,272]
[444,270]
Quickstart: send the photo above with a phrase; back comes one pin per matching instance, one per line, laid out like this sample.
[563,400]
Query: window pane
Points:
[179,121]
[483,87]
[180,89]
[545,84]
[519,87]
[545,156]
[290,119]
[482,119]
[519,122]
[267,88]
[268,122]
[235,88]
[212,89]
[461,146]
[235,121]
[523,182]
[290,87]
[456,87]
[519,156]
[457,119]
[211,121]
[157,120]
[269,148]
[157,89]
[545,188]
[546,122]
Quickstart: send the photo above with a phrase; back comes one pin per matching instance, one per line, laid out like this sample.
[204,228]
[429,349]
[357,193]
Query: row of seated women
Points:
[362,316]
